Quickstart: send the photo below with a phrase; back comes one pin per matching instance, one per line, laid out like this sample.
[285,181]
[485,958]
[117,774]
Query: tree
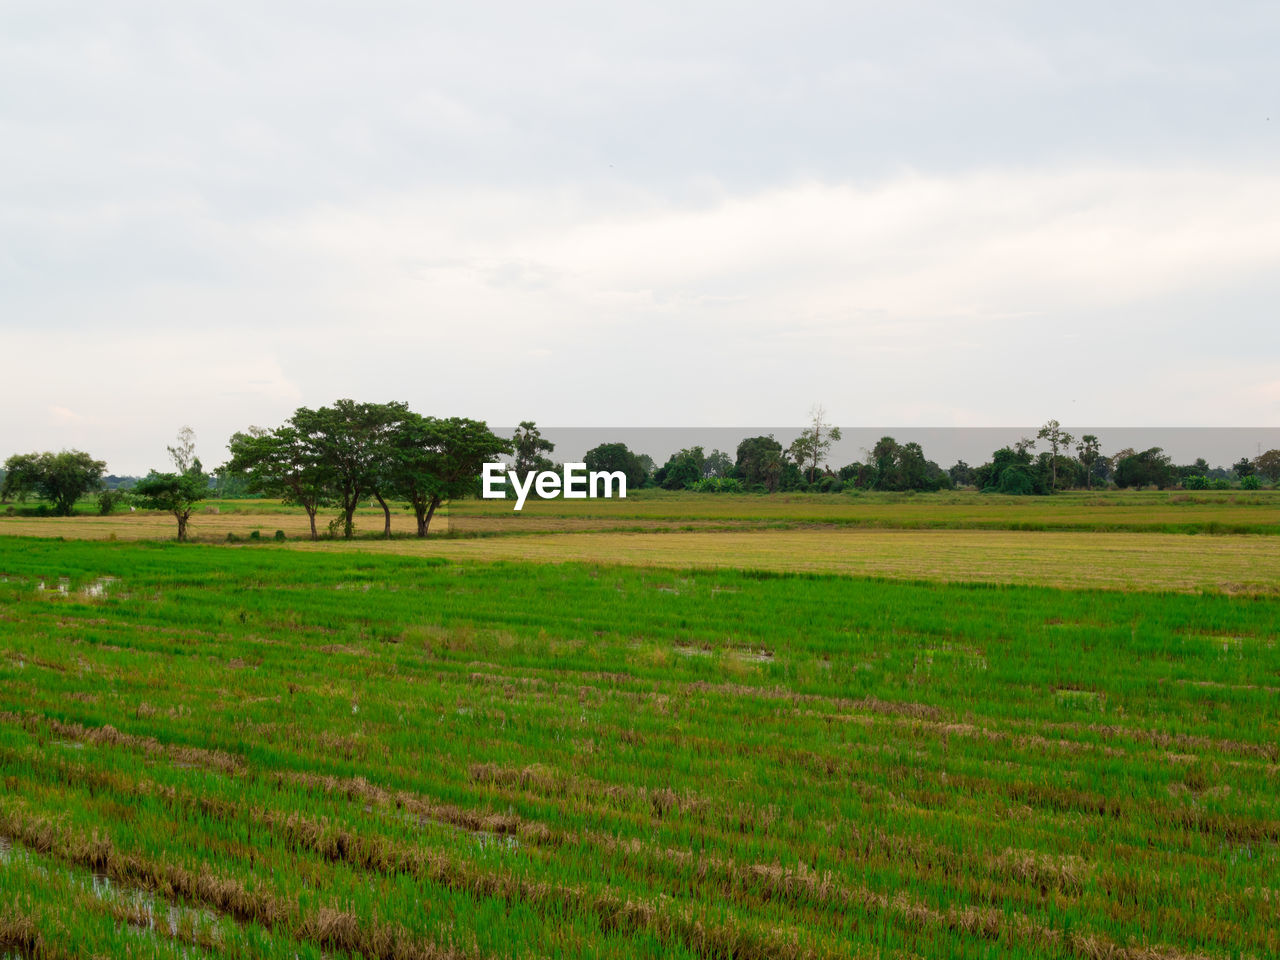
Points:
[432,460]
[179,492]
[61,478]
[529,446]
[1058,438]
[1150,467]
[183,453]
[759,462]
[682,470]
[1243,468]
[348,441]
[278,463]
[608,457]
[814,442]
[904,467]
[884,458]
[1088,451]
[1268,465]
[717,464]
[1011,471]
[961,474]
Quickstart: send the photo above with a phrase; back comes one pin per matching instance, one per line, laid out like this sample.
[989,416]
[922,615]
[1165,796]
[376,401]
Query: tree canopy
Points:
[61,478]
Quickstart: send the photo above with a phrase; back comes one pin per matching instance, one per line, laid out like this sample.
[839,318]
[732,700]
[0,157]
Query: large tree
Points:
[61,478]
[1268,464]
[683,469]
[609,457]
[814,442]
[760,462]
[349,441]
[1149,468]
[432,460]
[278,463]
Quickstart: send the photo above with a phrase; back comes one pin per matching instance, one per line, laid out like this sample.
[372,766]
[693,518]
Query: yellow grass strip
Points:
[1120,561]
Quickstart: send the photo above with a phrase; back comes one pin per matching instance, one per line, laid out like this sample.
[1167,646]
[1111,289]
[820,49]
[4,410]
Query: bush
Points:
[1219,483]
[279,535]
[256,535]
[1251,482]
[1196,481]
[108,500]
[718,485]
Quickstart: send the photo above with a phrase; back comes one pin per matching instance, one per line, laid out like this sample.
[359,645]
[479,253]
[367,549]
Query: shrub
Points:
[255,535]
[279,535]
[1196,481]
[718,485]
[108,500]
[1251,482]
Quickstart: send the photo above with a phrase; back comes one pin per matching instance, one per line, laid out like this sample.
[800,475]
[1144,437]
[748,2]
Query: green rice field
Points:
[262,751]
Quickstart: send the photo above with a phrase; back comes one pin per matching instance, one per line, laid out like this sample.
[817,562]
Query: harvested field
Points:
[284,751]
[1143,561]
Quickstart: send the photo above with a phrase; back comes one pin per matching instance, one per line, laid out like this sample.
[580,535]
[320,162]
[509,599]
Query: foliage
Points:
[961,474]
[1012,471]
[682,470]
[60,478]
[431,460]
[896,466]
[718,485]
[1089,452]
[528,444]
[1251,482]
[348,444]
[282,463]
[759,463]
[1268,465]
[718,464]
[610,457]
[814,442]
[175,493]
[109,500]
[1058,439]
[1148,468]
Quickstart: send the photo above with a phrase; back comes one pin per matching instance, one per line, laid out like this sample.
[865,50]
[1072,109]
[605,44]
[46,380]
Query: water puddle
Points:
[98,588]
[95,589]
[147,912]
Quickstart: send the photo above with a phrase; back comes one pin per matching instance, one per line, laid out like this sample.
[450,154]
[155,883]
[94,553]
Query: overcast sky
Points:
[677,214]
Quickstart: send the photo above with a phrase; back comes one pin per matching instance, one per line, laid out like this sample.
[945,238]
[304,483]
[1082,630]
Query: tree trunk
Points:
[424,519]
[311,515]
[182,525]
[386,513]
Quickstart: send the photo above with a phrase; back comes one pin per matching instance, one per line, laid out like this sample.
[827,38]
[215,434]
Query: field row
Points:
[512,759]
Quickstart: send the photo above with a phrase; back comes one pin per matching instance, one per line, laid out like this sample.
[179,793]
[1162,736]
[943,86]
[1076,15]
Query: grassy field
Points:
[659,745]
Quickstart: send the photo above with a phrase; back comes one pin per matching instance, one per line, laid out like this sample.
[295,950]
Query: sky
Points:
[684,214]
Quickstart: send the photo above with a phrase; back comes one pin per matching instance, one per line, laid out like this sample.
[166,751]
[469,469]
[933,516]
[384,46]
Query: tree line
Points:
[339,456]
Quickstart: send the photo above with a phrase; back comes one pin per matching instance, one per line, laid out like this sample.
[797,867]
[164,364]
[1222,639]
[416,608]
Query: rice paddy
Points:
[797,741]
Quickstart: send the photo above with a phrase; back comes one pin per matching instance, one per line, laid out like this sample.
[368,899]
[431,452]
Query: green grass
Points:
[394,756]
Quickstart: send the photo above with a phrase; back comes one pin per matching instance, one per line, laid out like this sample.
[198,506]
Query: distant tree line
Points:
[339,456]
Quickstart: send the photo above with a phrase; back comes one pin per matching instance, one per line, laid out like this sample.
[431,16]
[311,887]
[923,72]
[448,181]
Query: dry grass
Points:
[1125,561]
